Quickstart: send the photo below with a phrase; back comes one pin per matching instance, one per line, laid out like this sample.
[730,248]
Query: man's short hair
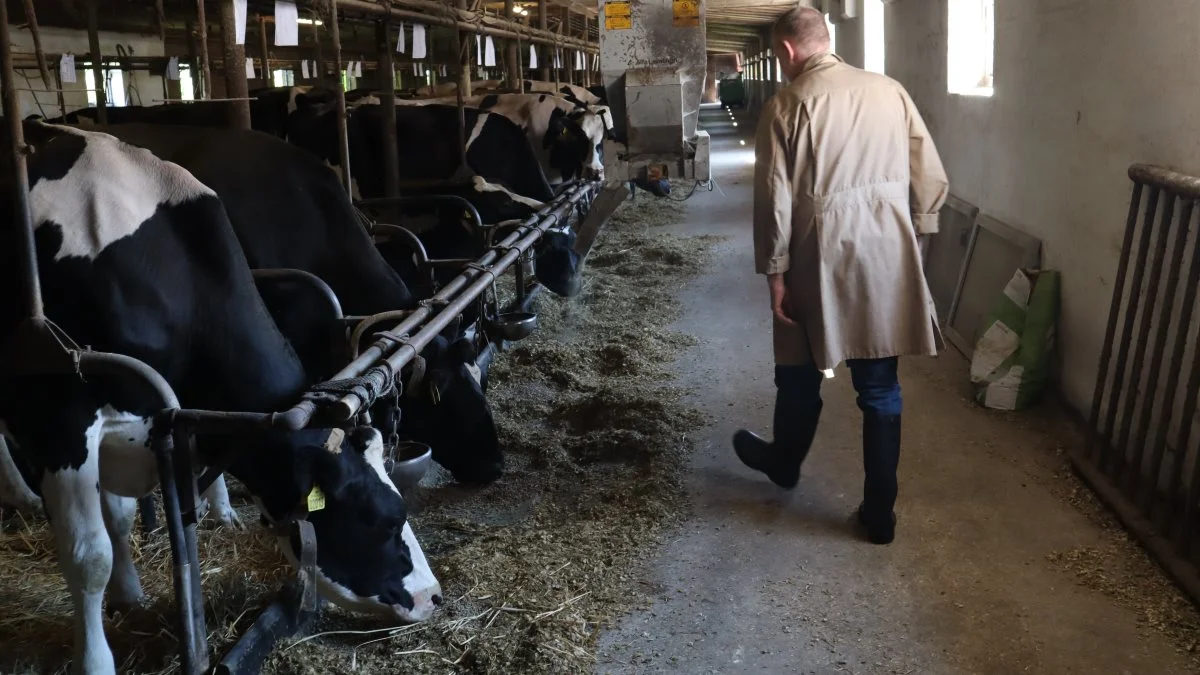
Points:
[803,26]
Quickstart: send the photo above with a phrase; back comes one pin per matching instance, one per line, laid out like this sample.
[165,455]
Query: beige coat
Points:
[846,176]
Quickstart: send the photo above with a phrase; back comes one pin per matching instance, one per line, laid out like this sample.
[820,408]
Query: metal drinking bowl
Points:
[410,464]
[514,326]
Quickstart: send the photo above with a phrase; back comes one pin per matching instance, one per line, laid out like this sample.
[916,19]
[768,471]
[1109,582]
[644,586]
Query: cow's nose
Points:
[436,600]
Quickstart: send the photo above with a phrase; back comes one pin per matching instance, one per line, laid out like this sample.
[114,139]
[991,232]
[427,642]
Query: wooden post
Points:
[463,89]
[319,76]
[265,49]
[512,52]
[387,98]
[97,61]
[343,134]
[202,84]
[235,70]
[546,60]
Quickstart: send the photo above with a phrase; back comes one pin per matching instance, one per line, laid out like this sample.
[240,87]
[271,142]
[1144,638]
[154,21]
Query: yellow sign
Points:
[618,16]
[686,13]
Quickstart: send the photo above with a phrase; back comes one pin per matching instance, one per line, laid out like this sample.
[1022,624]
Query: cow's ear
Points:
[320,469]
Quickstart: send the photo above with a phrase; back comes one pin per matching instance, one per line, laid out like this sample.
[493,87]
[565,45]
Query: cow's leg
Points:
[14,492]
[217,498]
[124,587]
[72,501]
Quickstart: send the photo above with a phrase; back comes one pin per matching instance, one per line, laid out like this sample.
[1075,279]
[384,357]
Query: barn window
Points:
[832,34]
[186,86]
[348,81]
[972,46]
[873,38]
[114,84]
[283,77]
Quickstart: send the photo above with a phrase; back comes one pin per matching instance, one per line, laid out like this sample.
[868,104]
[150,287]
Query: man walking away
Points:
[846,180]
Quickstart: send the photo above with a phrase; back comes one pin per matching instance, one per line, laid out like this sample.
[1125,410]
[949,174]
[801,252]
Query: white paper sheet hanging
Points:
[304,70]
[249,68]
[533,56]
[239,21]
[287,24]
[578,60]
[479,50]
[420,48]
[443,71]
[173,68]
[489,52]
[400,46]
[66,68]
[358,68]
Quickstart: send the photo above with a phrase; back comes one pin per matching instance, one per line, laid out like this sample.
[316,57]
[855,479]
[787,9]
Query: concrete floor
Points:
[761,580]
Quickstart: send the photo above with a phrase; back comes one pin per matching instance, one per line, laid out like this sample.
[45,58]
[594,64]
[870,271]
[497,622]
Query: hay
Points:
[596,443]
[531,567]
[240,571]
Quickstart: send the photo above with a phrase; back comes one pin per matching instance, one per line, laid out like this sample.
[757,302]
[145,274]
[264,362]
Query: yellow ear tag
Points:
[316,499]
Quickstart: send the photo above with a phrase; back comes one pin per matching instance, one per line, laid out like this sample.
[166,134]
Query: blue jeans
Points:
[875,380]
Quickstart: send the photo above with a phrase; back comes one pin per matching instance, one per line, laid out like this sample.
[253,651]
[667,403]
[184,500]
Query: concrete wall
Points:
[1082,90]
[57,40]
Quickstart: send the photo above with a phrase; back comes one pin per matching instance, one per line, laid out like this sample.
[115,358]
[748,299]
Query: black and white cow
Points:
[508,185]
[137,257]
[289,211]
[567,139]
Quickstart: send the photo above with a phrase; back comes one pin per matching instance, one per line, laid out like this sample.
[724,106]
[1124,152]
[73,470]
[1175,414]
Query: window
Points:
[114,84]
[873,39]
[832,34]
[283,77]
[187,87]
[348,82]
[971,48]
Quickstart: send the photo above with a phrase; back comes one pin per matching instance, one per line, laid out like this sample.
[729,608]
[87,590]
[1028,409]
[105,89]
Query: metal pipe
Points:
[22,215]
[299,415]
[462,88]
[319,76]
[1185,321]
[31,18]
[414,200]
[340,90]
[1145,402]
[374,320]
[1176,370]
[282,618]
[1135,289]
[387,99]
[1181,184]
[308,278]
[236,86]
[1096,451]
[186,479]
[512,53]
[202,24]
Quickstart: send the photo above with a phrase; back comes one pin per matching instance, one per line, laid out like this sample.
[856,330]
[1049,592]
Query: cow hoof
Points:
[231,518]
[30,508]
[115,606]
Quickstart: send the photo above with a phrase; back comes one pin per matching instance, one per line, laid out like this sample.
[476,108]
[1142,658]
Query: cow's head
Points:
[558,263]
[368,558]
[575,140]
[446,409]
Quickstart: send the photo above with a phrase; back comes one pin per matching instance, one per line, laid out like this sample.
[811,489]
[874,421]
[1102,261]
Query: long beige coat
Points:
[846,177]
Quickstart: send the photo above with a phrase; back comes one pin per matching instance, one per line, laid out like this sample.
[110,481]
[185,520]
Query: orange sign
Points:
[686,13]
[618,16]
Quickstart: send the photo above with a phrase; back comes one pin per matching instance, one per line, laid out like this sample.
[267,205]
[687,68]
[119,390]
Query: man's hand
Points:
[780,302]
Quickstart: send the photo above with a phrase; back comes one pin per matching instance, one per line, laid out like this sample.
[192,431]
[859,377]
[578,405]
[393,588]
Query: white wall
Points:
[1082,90]
[57,40]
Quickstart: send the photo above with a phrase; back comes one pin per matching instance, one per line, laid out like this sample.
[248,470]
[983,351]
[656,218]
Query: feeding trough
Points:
[514,326]
[408,464]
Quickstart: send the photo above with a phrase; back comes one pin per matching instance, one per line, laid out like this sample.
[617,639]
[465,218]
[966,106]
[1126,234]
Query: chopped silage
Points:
[532,566]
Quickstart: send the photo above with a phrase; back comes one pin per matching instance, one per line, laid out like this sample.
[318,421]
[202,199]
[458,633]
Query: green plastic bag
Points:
[1011,364]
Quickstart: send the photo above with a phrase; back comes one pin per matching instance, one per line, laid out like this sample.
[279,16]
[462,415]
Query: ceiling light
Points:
[309,22]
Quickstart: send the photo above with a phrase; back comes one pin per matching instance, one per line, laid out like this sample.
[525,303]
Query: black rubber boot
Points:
[881,458]
[781,460]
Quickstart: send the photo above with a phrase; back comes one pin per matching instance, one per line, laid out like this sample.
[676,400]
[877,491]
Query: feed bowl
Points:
[410,464]
[514,326]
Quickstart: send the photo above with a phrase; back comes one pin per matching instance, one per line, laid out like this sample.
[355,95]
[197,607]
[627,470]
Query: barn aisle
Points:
[1003,563]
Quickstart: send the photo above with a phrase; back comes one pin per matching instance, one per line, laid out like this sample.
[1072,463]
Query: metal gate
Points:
[1141,454]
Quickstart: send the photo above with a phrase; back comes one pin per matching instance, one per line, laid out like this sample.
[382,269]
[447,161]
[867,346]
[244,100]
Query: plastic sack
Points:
[1012,360]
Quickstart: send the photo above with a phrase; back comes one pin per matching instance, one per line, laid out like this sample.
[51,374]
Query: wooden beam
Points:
[234,61]
[97,62]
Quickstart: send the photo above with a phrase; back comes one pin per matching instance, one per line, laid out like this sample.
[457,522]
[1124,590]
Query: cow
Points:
[297,216]
[568,140]
[137,257]
[508,185]
[269,111]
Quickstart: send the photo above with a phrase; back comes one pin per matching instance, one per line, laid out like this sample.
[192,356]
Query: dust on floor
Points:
[596,442]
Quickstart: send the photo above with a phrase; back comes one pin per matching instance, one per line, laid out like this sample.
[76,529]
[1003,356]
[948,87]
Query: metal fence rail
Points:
[1141,457]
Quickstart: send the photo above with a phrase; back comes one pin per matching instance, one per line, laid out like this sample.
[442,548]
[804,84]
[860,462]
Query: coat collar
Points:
[822,60]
